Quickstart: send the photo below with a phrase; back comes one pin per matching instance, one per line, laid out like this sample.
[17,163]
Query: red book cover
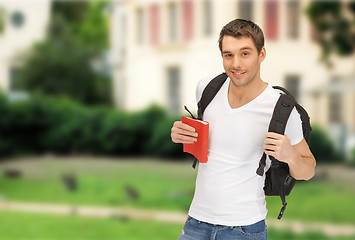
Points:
[199,148]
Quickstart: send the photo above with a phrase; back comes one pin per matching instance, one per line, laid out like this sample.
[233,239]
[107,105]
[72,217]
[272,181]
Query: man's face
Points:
[241,60]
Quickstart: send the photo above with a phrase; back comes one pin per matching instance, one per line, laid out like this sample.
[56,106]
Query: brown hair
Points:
[243,28]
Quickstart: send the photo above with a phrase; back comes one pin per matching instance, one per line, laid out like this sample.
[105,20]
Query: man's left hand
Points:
[279,146]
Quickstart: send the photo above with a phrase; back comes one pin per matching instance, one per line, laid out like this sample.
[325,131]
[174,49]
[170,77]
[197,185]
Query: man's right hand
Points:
[183,133]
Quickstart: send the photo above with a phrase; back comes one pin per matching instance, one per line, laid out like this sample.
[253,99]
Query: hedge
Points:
[60,126]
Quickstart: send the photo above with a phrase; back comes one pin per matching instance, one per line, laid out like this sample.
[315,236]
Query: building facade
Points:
[161,49]
[22,24]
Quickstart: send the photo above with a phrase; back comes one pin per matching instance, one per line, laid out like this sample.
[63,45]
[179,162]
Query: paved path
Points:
[329,229]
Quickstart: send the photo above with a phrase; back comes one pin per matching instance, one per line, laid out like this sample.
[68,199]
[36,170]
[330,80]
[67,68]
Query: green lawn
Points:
[28,226]
[315,201]
[161,185]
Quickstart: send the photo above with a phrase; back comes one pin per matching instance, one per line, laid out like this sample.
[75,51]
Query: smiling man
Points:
[229,201]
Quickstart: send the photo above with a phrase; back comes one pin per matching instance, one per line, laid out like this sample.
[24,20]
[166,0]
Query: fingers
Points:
[271,141]
[273,135]
[184,139]
[183,133]
[271,145]
[184,126]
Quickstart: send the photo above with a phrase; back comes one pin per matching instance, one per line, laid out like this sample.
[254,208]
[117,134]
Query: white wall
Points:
[16,39]
[146,64]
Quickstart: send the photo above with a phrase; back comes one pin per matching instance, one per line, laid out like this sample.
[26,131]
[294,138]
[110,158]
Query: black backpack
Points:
[278,181]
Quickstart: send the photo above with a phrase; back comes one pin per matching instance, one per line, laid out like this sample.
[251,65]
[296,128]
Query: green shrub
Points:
[59,125]
[353,156]
[19,127]
[321,145]
[160,143]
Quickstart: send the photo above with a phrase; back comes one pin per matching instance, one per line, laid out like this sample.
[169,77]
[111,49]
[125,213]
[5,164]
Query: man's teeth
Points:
[238,73]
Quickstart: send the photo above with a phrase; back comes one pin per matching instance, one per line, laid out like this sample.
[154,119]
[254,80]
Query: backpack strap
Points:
[306,126]
[280,116]
[306,123]
[275,177]
[282,111]
[209,93]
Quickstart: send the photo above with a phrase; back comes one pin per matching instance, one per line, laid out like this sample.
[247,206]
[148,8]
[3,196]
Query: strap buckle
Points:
[282,211]
[262,164]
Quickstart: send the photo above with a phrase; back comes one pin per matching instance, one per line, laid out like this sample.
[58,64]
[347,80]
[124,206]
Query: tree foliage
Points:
[62,64]
[88,20]
[2,20]
[334,22]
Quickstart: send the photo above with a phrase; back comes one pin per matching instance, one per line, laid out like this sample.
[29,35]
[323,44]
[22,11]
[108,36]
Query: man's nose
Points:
[236,62]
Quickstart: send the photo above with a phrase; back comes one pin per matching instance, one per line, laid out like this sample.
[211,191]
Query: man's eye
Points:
[245,54]
[228,55]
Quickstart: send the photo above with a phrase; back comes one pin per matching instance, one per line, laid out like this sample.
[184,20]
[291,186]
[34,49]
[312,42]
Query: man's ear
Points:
[262,54]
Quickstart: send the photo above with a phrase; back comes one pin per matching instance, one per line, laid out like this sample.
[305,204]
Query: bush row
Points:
[61,126]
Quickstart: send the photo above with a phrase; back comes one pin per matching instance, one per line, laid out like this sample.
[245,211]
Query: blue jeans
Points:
[198,230]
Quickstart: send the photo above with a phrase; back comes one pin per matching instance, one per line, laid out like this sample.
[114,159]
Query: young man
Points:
[229,200]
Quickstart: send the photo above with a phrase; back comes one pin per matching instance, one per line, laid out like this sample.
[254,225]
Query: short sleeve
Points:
[294,128]
[201,86]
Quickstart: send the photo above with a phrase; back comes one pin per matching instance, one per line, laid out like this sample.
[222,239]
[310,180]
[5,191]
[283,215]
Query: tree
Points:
[94,29]
[71,11]
[2,20]
[62,63]
[334,22]
[86,20]
[61,66]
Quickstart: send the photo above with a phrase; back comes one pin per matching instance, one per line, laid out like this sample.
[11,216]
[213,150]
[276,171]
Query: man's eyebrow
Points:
[246,48]
[224,52]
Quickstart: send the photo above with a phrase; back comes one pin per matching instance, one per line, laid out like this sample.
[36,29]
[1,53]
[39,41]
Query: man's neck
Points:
[239,96]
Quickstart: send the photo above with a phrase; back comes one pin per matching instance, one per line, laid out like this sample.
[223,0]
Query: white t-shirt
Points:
[228,190]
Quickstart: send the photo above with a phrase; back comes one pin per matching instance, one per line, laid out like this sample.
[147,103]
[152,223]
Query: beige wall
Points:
[145,65]
[14,40]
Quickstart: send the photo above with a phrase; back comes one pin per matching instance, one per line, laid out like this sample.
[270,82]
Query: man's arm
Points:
[298,157]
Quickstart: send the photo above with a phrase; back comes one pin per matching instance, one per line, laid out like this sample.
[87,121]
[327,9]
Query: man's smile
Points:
[238,74]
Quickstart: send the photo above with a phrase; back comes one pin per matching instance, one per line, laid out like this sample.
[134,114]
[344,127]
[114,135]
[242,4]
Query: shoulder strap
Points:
[282,111]
[210,92]
[306,125]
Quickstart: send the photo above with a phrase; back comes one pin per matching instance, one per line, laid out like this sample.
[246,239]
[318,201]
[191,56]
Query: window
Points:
[17,19]
[173,21]
[335,104]
[174,82]
[154,12]
[271,15]
[140,26]
[246,9]
[292,83]
[335,107]
[17,91]
[188,19]
[207,17]
[293,15]
[15,85]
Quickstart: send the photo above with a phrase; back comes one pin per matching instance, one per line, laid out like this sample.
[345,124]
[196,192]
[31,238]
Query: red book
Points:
[199,148]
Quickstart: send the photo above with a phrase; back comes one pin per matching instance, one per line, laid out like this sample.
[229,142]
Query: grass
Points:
[16,225]
[28,226]
[317,201]
[159,185]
